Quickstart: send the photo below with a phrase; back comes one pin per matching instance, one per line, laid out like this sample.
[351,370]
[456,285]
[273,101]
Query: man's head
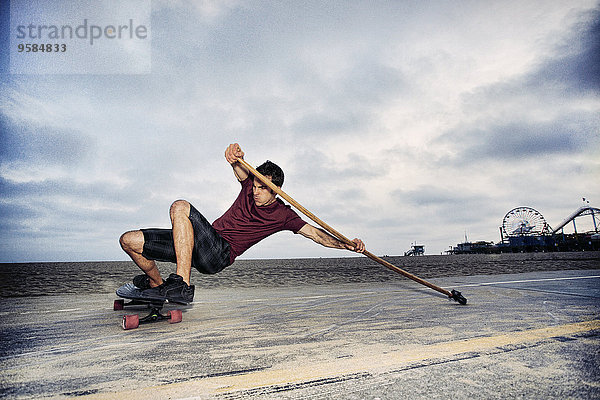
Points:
[263,196]
[272,170]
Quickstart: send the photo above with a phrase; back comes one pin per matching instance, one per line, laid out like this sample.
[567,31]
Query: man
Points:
[193,241]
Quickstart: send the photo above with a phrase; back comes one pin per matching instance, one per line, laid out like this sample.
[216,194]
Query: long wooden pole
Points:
[453,295]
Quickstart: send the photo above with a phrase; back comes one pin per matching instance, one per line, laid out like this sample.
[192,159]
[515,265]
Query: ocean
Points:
[47,279]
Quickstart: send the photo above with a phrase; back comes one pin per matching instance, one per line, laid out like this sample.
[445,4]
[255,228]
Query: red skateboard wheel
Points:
[131,321]
[118,305]
[175,316]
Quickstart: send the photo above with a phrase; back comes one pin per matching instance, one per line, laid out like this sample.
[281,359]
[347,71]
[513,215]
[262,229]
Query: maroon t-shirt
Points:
[246,224]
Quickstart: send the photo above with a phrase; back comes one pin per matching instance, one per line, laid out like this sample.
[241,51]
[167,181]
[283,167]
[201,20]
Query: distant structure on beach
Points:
[415,250]
[525,229]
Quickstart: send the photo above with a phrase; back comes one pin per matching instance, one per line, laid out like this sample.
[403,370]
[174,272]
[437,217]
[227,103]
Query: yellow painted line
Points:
[293,374]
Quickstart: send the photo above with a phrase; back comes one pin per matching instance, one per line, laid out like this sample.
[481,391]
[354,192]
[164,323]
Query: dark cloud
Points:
[580,69]
[370,83]
[523,139]
[260,33]
[430,196]
[14,217]
[329,122]
[535,115]
[66,186]
[4,36]
[46,145]
[435,205]
[316,166]
[349,104]
[65,202]
[56,219]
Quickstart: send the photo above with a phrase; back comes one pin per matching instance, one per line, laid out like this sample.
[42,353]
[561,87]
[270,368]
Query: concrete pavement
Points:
[529,335]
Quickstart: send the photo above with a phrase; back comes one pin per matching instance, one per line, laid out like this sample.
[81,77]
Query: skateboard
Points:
[133,294]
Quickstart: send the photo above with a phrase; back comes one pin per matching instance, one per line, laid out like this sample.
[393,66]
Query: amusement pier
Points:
[525,229]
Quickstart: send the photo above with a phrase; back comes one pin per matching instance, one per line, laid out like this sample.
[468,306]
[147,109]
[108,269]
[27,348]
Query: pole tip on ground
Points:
[456,296]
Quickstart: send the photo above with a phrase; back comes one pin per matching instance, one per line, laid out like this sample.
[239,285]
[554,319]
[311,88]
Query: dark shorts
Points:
[211,251]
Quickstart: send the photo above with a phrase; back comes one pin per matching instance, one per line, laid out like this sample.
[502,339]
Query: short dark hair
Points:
[271,169]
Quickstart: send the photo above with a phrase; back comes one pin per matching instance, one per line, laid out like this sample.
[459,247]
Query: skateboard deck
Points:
[133,294]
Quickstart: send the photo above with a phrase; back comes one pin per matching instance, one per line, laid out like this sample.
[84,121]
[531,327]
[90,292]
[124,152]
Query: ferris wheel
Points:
[524,221]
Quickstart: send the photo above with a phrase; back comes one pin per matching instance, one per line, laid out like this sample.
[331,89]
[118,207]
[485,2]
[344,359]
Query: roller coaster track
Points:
[584,210]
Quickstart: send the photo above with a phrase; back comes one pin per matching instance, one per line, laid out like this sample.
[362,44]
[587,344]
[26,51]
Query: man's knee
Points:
[180,207]
[132,241]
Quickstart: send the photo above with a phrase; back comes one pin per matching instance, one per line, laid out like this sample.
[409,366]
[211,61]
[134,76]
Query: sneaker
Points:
[142,281]
[174,290]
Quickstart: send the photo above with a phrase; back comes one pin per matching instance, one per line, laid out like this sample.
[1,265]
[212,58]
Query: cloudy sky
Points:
[395,121]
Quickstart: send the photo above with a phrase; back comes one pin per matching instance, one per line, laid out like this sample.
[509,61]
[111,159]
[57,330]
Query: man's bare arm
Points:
[323,238]
[232,153]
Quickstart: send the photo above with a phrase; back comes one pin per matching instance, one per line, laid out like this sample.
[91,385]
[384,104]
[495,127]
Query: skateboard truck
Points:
[132,321]
[456,296]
